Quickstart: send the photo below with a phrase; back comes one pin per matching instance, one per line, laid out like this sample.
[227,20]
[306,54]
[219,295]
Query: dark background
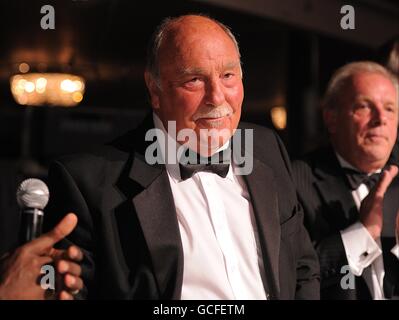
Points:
[289,50]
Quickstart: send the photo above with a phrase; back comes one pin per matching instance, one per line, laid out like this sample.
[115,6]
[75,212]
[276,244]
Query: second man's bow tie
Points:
[356,178]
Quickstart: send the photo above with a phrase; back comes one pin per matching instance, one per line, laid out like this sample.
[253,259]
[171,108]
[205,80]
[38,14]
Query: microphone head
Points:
[32,193]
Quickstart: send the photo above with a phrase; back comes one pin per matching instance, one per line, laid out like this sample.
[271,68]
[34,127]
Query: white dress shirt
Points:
[360,247]
[222,257]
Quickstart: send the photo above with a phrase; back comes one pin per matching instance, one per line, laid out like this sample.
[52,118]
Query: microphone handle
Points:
[31,225]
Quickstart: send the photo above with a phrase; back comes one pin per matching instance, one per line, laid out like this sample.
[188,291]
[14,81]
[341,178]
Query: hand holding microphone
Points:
[20,271]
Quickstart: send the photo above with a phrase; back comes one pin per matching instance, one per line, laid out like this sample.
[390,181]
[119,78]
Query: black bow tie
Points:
[356,178]
[216,164]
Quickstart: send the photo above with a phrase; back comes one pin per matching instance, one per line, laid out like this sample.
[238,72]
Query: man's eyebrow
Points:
[362,97]
[370,100]
[198,70]
[232,65]
[191,70]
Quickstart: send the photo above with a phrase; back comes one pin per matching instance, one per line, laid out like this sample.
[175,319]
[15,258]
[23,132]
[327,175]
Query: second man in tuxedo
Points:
[349,201]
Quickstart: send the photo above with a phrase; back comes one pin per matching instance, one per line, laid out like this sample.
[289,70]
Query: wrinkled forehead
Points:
[364,84]
[182,39]
[191,26]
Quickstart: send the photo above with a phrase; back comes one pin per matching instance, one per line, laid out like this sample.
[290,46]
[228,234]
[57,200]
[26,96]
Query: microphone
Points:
[32,197]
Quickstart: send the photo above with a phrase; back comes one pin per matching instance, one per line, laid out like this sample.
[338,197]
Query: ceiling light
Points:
[54,89]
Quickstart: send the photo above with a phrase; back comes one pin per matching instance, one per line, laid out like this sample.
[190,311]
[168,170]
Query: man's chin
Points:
[377,150]
[376,155]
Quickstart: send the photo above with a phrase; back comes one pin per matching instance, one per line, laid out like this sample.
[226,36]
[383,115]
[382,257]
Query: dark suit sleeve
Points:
[66,197]
[308,271]
[328,245]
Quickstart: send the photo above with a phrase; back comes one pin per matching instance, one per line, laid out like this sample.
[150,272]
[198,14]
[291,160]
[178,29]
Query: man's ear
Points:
[153,89]
[330,119]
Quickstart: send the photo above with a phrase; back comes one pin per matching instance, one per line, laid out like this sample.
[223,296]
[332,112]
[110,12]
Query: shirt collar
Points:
[345,164]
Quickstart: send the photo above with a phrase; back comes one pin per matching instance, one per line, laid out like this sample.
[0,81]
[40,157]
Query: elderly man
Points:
[342,187]
[179,230]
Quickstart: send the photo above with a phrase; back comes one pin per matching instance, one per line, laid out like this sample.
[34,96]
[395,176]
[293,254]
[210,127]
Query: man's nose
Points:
[379,116]
[214,93]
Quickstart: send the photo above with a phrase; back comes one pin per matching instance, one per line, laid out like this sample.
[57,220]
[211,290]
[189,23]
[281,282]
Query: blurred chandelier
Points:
[54,89]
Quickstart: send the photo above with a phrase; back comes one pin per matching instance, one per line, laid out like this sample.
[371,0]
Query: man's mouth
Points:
[376,137]
[219,122]
[214,115]
[213,118]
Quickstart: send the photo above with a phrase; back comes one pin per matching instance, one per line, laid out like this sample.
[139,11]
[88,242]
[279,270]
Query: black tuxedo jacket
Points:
[9,211]
[129,231]
[329,207]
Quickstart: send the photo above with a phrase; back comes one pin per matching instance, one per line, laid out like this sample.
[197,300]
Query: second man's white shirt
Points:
[361,249]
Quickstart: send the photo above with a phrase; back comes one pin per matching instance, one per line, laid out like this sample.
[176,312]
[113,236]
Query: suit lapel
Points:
[154,206]
[334,192]
[264,198]
[341,205]
[337,197]
[157,215]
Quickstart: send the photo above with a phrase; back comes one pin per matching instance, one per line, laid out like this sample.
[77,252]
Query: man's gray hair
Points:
[156,41]
[342,77]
